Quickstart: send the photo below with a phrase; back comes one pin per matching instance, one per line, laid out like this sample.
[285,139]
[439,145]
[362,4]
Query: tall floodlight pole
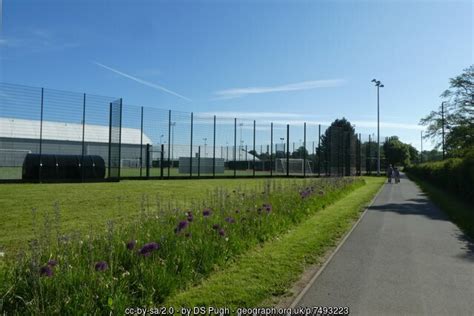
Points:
[205,144]
[379,85]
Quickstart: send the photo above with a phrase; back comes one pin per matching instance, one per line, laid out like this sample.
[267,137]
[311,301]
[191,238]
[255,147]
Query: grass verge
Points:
[86,206]
[269,270]
[458,211]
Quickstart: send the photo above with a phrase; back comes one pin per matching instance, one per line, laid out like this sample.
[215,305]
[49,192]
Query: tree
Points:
[396,152]
[458,116]
[336,145]
[301,152]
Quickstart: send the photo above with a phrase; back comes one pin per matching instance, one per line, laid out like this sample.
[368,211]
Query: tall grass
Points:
[163,250]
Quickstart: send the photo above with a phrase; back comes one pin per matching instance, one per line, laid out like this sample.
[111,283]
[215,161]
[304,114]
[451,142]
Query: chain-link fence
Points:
[48,135]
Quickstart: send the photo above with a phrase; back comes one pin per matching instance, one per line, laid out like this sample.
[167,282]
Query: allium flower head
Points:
[230,220]
[222,232]
[131,244]
[181,225]
[52,263]
[206,212]
[46,271]
[267,207]
[148,248]
[101,266]
[216,226]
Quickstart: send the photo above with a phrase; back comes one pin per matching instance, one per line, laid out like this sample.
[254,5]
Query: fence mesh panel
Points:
[146,142]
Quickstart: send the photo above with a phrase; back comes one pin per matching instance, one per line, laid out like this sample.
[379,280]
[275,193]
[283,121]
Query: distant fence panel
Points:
[145,142]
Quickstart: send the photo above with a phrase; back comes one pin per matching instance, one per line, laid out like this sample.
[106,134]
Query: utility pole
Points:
[442,126]
[421,147]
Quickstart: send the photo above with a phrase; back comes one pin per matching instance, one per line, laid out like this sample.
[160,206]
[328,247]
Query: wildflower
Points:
[52,263]
[222,232]
[190,216]
[267,207]
[131,244]
[101,266]
[230,220]
[206,212]
[181,225]
[148,248]
[46,271]
[2,254]
[216,226]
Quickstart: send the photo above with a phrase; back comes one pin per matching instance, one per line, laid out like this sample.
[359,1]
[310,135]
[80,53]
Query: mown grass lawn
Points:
[90,205]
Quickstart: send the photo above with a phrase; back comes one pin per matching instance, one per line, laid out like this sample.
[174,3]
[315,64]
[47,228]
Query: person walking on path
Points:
[397,175]
[390,173]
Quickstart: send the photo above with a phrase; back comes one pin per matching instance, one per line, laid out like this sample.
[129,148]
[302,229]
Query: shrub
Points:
[455,175]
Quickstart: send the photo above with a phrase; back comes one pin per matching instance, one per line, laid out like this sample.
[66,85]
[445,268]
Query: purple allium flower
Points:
[52,263]
[267,207]
[222,232]
[148,248]
[46,271]
[230,220]
[101,266]
[131,244]
[206,212]
[181,225]
[216,226]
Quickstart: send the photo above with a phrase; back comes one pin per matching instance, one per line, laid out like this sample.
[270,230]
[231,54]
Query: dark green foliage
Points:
[455,175]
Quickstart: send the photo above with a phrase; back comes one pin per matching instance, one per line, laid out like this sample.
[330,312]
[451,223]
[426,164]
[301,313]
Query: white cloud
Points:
[304,85]
[144,82]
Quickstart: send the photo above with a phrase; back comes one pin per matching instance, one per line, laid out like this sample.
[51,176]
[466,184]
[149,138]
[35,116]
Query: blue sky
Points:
[281,60]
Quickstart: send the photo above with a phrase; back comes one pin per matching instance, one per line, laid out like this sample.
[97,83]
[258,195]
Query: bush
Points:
[455,175]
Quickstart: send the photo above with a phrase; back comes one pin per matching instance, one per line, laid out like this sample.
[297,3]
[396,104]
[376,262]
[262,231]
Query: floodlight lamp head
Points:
[374,80]
[381,86]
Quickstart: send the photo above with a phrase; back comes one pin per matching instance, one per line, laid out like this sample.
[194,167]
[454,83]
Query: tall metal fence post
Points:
[319,151]
[288,150]
[254,152]
[110,141]
[141,141]
[235,146]
[41,136]
[304,150]
[161,160]
[271,149]
[214,150]
[83,136]
[147,160]
[199,161]
[169,142]
[120,141]
[369,158]
[191,148]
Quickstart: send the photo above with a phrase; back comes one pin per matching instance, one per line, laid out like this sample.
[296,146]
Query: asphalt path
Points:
[404,258]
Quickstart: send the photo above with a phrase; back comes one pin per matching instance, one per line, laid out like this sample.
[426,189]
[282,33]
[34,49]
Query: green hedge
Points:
[455,175]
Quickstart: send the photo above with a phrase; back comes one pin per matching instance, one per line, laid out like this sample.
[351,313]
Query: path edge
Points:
[334,252]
